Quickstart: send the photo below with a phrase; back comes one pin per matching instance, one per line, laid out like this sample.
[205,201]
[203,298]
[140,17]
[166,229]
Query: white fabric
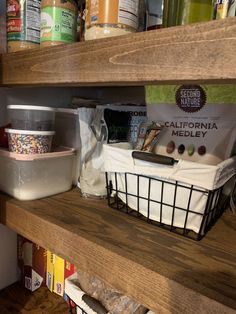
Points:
[175,198]
[119,159]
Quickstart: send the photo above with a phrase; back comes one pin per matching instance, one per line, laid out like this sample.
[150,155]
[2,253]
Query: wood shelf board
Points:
[16,299]
[201,52]
[165,272]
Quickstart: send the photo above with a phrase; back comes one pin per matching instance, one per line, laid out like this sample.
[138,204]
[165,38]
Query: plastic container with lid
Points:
[23,24]
[58,22]
[30,177]
[29,142]
[37,118]
[107,18]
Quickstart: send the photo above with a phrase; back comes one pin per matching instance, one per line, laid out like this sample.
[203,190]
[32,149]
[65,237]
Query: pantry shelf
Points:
[165,272]
[202,52]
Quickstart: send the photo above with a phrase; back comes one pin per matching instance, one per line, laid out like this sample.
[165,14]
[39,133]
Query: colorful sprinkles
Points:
[29,143]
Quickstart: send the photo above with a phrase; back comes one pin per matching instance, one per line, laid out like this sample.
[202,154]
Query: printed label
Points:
[58,24]
[190,98]
[128,13]
[199,121]
[23,18]
[112,12]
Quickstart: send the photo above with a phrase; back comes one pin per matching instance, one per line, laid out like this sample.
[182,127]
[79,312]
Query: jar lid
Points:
[29,132]
[29,107]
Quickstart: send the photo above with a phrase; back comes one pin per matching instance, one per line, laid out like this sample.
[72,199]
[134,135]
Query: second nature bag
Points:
[199,121]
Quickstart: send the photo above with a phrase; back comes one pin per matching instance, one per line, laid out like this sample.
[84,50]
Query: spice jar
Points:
[23,24]
[107,18]
[58,22]
[224,8]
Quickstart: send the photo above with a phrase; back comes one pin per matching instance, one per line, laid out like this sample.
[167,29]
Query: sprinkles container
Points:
[27,117]
[29,142]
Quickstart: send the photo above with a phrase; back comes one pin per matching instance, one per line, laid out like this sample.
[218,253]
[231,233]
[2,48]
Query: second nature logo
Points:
[190,98]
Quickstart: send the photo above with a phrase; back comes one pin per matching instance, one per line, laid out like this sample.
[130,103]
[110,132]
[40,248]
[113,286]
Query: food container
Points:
[58,22]
[29,142]
[108,18]
[23,29]
[30,177]
[37,118]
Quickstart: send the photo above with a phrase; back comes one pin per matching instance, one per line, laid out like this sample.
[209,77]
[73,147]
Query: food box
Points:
[58,270]
[32,263]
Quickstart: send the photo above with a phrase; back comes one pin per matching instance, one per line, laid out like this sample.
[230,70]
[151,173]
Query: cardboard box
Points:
[58,270]
[32,263]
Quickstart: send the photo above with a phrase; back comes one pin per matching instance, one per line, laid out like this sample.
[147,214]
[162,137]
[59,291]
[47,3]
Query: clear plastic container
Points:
[108,18]
[29,142]
[35,118]
[30,177]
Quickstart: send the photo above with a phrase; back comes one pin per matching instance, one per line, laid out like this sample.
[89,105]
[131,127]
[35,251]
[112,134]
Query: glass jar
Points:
[224,8]
[107,18]
[58,22]
[23,24]
[181,12]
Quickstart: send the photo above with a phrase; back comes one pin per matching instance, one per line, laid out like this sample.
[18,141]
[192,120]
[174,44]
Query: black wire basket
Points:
[123,198]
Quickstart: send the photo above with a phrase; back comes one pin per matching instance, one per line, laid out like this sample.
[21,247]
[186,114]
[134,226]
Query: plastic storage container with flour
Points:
[30,177]
[183,197]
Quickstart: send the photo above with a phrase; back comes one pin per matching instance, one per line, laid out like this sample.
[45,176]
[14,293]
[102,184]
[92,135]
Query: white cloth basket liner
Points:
[118,159]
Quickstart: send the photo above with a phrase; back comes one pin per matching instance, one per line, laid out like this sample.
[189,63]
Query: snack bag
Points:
[199,121]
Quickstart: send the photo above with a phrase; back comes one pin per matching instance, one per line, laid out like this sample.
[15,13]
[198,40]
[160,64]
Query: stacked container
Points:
[29,170]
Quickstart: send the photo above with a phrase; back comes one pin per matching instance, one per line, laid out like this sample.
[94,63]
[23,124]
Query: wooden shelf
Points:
[165,272]
[202,52]
[16,299]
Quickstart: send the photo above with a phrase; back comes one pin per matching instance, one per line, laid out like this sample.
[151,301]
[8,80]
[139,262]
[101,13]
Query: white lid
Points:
[29,132]
[27,107]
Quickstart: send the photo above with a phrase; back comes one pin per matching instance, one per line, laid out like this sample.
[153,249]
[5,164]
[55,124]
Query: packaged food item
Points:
[224,8]
[23,24]
[81,20]
[154,14]
[110,300]
[3,34]
[199,121]
[58,22]
[29,142]
[122,122]
[107,18]
[32,263]
[58,270]
[148,136]
[179,12]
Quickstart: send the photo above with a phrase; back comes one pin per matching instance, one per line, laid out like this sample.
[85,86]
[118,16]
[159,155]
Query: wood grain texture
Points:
[17,300]
[163,271]
[202,52]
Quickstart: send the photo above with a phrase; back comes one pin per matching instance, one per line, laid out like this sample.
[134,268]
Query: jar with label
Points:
[181,12]
[224,8]
[58,22]
[154,14]
[23,24]
[107,18]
